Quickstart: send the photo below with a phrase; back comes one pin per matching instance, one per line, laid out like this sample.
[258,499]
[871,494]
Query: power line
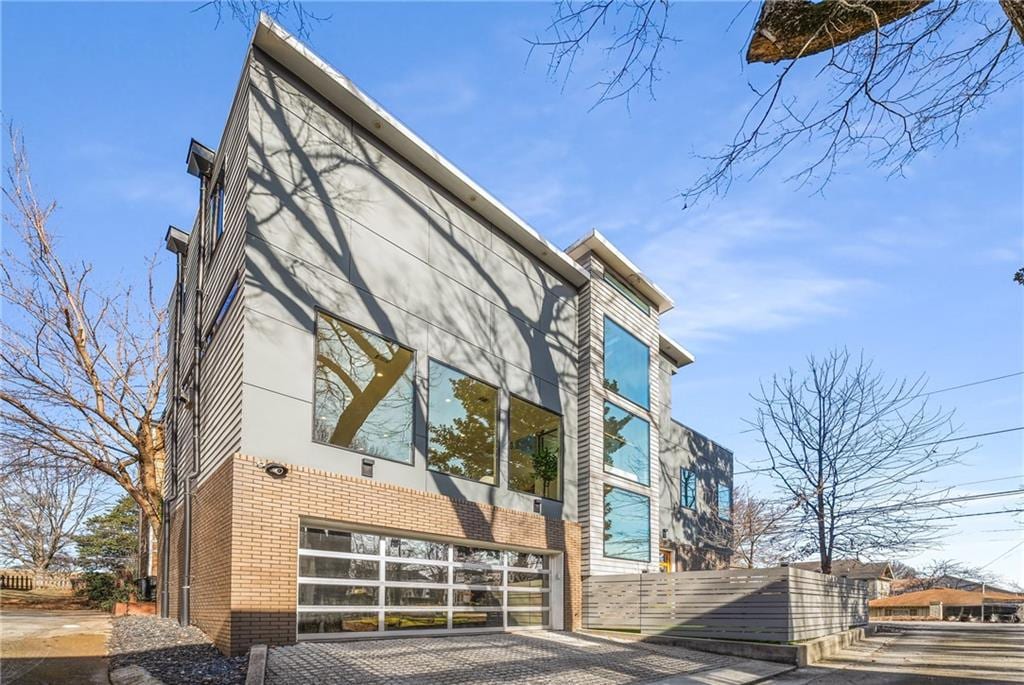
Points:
[909,447]
[967,385]
[948,500]
[989,480]
[1004,554]
[961,516]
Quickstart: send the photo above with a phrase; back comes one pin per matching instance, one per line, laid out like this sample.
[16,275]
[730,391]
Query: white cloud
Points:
[740,272]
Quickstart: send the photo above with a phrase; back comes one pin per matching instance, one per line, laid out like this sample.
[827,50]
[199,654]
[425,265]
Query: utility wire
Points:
[948,500]
[967,385]
[909,447]
[1004,554]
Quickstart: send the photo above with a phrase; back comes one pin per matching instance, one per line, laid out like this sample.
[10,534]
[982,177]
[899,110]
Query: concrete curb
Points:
[257,670]
[133,675]
[801,654]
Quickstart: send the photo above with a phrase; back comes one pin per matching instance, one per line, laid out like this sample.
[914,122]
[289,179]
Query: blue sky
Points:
[915,271]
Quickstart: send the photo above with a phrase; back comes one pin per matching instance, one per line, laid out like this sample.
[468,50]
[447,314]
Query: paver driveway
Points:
[529,658]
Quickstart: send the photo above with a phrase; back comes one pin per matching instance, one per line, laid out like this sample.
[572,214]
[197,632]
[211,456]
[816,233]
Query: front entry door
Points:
[666,561]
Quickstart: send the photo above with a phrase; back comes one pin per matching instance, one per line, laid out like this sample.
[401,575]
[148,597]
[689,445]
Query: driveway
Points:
[941,653]
[40,647]
[533,658]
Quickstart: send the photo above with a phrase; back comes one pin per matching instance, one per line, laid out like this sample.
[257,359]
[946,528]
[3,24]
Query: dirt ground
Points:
[40,599]
[40,646]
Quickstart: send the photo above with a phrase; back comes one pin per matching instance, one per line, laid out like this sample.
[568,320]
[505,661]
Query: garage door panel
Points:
[352,584]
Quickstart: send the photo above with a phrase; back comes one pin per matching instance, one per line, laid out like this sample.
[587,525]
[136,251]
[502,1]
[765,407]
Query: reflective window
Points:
[526,599]
[627,292]
[526,618]
[338,541]
[417,549]
[416,573]
[329,567]
[420,620]
[724,502]
[476,598]
[337,595]
[535,441]
[463,425]
[477,619]
[527,560]
[627,525]
[472,576]
[524,579]
[415,596]
[363,396]
[627,444]
[324,622]
[477,555]
[687,488]
[627,366]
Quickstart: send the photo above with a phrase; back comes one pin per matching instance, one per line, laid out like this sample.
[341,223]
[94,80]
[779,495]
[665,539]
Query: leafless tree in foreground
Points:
[42,506]
[942,573]
[890,77]
[760,536]
[82,363]
[296,15]
[852,452]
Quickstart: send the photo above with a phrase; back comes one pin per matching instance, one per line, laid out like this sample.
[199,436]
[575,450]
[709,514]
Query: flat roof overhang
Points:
[619,263]
[344,94]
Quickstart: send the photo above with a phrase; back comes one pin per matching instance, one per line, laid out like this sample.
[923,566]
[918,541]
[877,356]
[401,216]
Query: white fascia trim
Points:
[344,94]
[609,254]
[675,352]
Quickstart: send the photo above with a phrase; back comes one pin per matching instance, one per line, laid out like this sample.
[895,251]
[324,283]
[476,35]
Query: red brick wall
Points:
[265,515]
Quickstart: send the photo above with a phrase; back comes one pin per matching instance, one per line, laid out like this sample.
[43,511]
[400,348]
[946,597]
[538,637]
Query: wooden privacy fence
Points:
[769,605]
[29,580]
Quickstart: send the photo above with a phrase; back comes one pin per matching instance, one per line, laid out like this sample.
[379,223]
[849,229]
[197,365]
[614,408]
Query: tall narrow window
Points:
[222,311]
[535,441]
[627,365]
[363,395]
[687,488]
[463,425]
[724,502]
[219,215]
[627,525]
[627,444]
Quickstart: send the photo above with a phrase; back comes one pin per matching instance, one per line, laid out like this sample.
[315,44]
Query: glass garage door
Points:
[354,583]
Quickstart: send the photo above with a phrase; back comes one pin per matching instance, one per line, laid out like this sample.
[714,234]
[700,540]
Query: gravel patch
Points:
[175,655]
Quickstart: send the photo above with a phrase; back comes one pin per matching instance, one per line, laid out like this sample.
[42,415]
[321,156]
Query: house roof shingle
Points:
[948,597]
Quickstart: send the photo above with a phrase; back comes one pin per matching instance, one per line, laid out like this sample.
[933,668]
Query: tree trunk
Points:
[1014,10]
[791,30]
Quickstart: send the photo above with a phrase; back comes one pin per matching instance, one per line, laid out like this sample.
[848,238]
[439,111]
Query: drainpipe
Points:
[197,341]
[165,529]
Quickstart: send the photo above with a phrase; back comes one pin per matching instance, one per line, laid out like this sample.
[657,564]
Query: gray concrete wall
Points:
[698,536]
[338,222]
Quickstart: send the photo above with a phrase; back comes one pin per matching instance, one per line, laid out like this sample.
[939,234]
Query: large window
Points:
[627,367]
[352,583]
[535,441]
[463,425]
[627,444]
[363,395]
[687,488]
[724,502]
[627,525]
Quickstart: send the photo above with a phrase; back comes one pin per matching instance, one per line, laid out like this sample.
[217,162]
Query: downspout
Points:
[165,529]
[197,340]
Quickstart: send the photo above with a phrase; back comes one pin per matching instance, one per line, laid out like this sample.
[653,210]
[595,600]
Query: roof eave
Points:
[674,352]
[343,93]
[609,254]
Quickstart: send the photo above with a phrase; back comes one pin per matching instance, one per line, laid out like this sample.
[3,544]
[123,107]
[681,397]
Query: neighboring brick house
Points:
[394,407]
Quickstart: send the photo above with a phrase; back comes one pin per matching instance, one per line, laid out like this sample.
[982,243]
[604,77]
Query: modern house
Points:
[877,574]
[394,407]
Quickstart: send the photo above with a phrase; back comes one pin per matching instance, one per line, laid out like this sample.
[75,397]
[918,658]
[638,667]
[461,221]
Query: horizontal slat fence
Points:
[768,605]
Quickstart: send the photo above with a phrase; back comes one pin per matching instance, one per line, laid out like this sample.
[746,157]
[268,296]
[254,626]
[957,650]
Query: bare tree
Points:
[42,507]
[759,534]
[853,452]
[82,365]
[942,573]
[900,76]
[297,15]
